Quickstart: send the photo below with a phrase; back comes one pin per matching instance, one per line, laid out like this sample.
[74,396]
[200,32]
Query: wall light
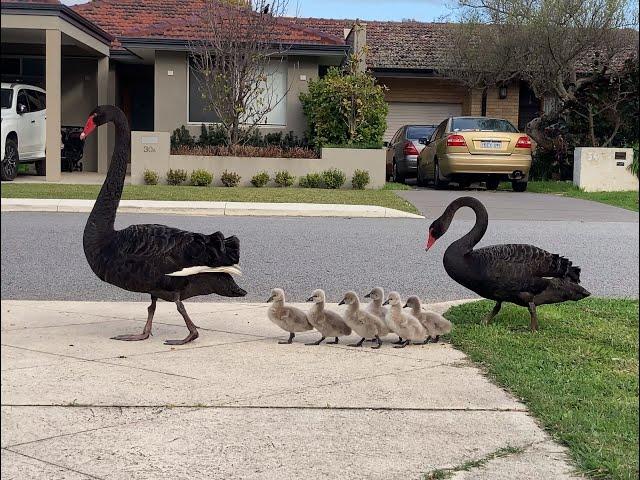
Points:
[502,92]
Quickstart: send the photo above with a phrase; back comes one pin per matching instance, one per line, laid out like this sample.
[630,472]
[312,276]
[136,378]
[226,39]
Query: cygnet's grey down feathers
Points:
[405,325]
[434,323]
[288,318]
[362,322]
[327,322]
[376,308]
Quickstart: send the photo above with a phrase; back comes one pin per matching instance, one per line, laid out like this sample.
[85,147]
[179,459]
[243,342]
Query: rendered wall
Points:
[603,169]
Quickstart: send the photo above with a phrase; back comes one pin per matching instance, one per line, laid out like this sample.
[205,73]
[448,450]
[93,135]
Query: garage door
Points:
[406,113]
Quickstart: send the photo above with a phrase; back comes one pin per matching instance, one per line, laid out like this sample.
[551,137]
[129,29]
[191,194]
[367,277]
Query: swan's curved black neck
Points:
[466,243]
[100,225]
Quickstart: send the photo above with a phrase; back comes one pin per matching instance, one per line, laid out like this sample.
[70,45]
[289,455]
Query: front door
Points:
[26,126]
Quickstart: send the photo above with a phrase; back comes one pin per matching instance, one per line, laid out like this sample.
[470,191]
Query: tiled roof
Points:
[177,19]
[37,2]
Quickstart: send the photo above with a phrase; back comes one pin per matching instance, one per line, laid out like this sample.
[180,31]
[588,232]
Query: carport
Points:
[75,54]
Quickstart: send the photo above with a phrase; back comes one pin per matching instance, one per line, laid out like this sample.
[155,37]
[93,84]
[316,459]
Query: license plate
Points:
[491,144]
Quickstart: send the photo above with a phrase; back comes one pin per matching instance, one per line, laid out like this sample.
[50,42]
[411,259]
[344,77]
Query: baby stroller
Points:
[72,149]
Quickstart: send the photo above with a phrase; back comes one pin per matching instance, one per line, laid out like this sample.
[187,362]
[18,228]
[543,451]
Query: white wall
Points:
[603,169]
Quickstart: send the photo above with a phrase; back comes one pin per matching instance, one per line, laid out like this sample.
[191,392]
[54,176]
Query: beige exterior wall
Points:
[598,169]
[150,150]
[472,104]
[171,107]
[506,108]
[431,90]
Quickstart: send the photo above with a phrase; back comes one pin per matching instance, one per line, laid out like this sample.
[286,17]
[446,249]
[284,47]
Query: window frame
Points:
[22,91]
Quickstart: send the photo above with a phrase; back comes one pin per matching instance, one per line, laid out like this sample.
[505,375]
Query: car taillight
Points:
[523,142]
[410,149]
[456,141]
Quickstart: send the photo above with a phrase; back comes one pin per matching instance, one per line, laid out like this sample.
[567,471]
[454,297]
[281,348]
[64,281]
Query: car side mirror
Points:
[423,141]
[385,144]
[22,109]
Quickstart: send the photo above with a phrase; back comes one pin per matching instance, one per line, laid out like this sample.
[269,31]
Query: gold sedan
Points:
[472,149]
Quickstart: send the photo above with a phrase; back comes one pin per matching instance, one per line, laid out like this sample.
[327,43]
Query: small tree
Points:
[240,43]
[345,107]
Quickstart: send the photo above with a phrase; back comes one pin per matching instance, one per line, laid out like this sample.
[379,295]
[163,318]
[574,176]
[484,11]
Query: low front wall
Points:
[150,151]
[603,169]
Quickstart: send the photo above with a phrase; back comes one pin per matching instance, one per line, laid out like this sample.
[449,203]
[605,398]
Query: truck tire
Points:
[41,168]
[9,166]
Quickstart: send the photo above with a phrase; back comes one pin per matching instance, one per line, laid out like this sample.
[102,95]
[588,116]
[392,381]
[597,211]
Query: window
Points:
[22,100]
[482,124]
[7,97]
[440,131]
[274,91]
[417,132]
[36,100]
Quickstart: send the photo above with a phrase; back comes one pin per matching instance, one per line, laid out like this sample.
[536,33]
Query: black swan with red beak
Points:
[522,274]
[164,262]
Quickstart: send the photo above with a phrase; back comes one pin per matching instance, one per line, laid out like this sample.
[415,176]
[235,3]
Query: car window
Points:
[482,124]
[35,101]
[7,97]
[440,131]
[416,132]
[396,137]
[22,99]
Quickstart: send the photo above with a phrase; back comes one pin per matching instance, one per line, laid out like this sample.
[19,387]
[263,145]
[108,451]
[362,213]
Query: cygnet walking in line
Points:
[405,325]
[288,318]
[433,322]
[362,322]
[327,322]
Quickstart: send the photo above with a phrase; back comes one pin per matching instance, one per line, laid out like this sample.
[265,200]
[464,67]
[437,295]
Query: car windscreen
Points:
[482,124]
[7,96]
[419,131]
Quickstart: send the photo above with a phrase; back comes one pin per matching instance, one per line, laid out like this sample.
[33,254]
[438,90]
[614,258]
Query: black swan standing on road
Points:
[522,274]
[164,262]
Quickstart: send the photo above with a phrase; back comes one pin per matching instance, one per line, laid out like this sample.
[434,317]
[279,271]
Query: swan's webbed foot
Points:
[193,331]
[359,344]
[318,342]
[151,309]
[189,338]
[403,344]
[489,318]
[377,339]
[288,341]
[131,338]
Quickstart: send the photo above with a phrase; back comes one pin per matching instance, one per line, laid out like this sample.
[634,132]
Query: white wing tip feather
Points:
[185,272]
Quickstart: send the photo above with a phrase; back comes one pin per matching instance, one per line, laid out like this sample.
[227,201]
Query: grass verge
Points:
[626,199]
[381,197]
[578,374]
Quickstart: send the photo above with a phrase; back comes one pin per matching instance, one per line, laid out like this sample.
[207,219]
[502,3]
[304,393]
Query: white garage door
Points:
[407,113]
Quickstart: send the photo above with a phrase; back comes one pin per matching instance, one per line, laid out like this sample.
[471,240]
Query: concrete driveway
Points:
[518,206]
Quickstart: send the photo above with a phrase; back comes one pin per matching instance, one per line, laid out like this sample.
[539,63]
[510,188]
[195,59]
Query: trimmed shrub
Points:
[201,178]
[361,179]
[230,179]
[284,179]
[333,178]
[150,177]
[311,180]
[260,179]
[181,137]
[176,177]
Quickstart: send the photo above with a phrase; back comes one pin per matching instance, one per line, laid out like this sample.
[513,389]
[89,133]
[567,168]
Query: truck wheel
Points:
[9,166]
[519,186]
[41,168]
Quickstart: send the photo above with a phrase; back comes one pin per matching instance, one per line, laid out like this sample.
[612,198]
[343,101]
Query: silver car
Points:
[403,151]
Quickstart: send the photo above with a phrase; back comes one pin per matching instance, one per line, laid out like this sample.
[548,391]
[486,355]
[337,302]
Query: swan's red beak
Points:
[89,127]
[430,241]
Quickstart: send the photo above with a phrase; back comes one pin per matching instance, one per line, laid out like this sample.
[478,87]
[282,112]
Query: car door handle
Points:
[33,121]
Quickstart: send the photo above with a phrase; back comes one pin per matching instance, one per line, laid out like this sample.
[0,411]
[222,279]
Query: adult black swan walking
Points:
[522,274]
[164,262]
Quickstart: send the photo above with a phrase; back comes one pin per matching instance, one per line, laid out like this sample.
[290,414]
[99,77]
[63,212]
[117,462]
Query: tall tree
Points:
[551,44]
[235,61]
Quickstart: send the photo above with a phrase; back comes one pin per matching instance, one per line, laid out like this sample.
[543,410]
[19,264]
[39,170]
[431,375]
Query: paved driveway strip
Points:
[235,404]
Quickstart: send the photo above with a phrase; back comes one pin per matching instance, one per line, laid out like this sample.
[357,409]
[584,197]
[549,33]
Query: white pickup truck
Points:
[24,113]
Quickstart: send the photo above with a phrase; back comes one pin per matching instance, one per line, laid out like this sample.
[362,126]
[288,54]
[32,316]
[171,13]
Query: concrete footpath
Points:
[168,207]
[236,405]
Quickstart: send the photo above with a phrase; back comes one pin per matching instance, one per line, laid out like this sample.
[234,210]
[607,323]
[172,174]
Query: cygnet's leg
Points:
[193,331]
[333,343]
[379,343]
[403,344]
[399,341]
[426,340]
[318,342]
[435,339]
[359,344]
[151,309]
[287,342]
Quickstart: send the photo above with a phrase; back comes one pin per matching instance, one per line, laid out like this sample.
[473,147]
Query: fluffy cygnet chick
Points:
[434,323]
[327,322]
[288,318]
[362,322]
[375,306]
[405,325]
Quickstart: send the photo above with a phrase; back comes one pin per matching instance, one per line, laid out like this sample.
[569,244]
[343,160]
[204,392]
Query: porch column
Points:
[103,133]
[54,104]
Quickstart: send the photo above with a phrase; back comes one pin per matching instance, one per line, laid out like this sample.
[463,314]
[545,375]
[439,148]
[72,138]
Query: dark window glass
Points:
[199,111]
[7,97]
[22,99]
[482,124]
[35,101]
[418,132]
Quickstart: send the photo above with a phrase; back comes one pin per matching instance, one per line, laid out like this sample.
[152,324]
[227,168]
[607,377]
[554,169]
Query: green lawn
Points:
[628,199]
[381,197]
[578,374]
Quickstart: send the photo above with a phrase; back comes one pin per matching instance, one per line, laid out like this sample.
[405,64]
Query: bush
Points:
[345,107]
[201,178]
[176,177]
[212,136]
[311,180]
[181,137]
[150,177]
[230,179]
[333,178]
[284,179]
[361,179]
[260,179]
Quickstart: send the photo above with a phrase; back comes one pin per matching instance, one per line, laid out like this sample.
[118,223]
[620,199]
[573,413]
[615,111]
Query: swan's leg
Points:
[151,309]
[534,317]
[289,340]
[487,320]
[379,342]
[318,342]
[399,341]
[359,344]
[193,331]
[333,343]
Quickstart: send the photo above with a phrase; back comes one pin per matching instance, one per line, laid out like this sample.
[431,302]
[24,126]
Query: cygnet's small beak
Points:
[270,299]
[386,302]
[341,302]
[405,305]
[368,295]
[310,299]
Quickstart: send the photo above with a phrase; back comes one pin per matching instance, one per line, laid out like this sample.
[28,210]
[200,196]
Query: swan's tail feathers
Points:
[232,248]
[574,273]
[185,272]
[567,269]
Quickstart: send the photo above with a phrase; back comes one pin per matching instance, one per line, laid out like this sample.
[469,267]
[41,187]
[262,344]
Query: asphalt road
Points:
[42,255]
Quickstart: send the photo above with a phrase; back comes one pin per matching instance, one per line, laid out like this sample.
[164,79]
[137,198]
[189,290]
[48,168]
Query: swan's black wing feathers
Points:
[172,249]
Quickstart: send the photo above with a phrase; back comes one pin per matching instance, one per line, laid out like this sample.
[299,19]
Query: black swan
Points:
[522,274]
[164,262]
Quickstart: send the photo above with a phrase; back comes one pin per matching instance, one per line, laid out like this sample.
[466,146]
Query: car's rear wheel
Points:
[420,180]
[9,165]
[396,176]
[519,186]
[41,168]
[437,180]
[492,183]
